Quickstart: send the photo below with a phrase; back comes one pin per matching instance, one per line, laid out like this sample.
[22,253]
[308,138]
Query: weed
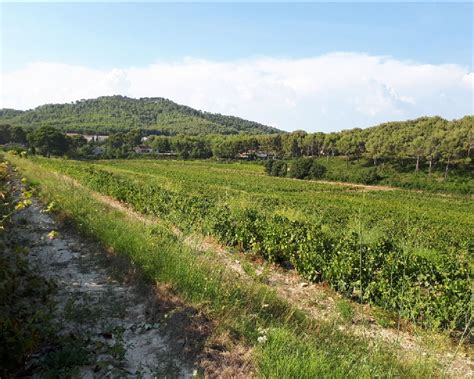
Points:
[345,310]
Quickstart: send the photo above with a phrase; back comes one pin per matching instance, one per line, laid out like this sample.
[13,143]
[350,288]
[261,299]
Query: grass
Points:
[281,357]
[428,215]
[295,345]
[402,174]
[278,218]
[345,310]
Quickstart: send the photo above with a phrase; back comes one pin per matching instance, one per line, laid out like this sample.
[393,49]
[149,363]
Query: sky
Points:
[312,66]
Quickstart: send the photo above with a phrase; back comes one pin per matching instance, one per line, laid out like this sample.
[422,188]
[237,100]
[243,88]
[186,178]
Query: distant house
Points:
[142,149]
[95,138]
[90,137]
[168,154]
[253,154]
[262,155]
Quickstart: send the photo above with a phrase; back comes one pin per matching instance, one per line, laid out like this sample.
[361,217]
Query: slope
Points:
[118,113]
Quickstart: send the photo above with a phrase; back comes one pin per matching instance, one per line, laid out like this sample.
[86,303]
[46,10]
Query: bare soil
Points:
[364,187]
[128,327]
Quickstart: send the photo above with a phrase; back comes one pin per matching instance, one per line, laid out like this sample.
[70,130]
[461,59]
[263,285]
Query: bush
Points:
[300,168]
[279,168]
[317,170]
[369,176]
[303,168]
[268,166]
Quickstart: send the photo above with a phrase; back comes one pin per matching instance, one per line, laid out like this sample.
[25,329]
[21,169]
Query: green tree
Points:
[279,168]
[451,148]
[133,138]
[317,170]
[300,168]
[346,145]
[160,143]
[48,141]
[292,145]
[5,135]
[416,149]
[374,147]
[18,135]
[75,144]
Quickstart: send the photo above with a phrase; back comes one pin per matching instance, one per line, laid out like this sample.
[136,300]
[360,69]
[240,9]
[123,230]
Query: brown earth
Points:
[131,328]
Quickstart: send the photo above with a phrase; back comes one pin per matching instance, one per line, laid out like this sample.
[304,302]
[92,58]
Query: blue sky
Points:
[111,35]
[116,40]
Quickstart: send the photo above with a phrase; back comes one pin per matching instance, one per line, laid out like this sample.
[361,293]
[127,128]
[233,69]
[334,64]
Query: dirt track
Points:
[116,321]
[78,268]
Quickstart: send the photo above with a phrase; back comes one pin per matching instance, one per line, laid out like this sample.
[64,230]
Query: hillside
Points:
[110,114]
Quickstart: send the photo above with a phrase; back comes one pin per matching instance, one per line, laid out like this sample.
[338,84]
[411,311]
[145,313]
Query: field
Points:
[460,180]
[251,326]
[408,252]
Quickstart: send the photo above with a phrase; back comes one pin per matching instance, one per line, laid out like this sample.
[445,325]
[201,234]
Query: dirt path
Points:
[366,187]
[122,338]
[317,300]
[321,303]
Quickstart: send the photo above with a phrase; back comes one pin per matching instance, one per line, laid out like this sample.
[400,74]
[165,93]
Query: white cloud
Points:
[328,92]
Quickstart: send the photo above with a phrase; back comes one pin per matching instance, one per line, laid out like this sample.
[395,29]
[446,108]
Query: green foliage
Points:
[369,176]
[47,141]
[317,170]
[286,342]
[385,269]
[361,171]
[279,168]
[306,168]
[439,153]
[24,295]
[188,147]
[12,134]
[268,166]
[299,168]
[110,114]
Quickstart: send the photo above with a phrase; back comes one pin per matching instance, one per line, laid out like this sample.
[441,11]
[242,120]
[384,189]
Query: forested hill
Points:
[112,114]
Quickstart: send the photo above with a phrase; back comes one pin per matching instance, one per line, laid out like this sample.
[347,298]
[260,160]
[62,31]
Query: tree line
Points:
[429,140]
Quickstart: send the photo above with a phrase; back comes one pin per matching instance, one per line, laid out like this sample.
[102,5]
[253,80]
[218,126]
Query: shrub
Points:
[268,166]
[279,168]
[317,170]
[24,306]
[300,168]
[369,176]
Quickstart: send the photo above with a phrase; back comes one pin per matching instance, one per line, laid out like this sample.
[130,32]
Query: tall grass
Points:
[287,344]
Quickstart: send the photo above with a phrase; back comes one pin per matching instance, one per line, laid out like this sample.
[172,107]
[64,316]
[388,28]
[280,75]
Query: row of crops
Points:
[408,253]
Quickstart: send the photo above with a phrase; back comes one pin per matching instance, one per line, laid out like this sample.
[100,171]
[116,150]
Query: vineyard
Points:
[408,252]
